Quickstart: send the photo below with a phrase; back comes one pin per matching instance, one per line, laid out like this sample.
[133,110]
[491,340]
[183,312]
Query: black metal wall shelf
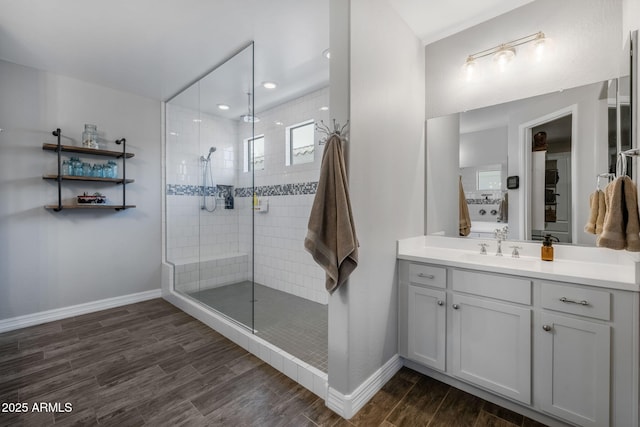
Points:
[83,150]
[87,178]
[59,148]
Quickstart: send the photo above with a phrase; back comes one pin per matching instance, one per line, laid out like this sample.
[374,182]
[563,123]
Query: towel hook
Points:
[337,130]
[609,176]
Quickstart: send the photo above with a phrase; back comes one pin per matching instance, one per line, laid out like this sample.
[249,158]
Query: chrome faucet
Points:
[501,234]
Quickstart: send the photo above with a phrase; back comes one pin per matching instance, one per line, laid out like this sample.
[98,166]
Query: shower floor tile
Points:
[293,324]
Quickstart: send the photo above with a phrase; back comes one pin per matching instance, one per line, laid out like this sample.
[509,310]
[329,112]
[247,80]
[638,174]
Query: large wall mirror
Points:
[560,146]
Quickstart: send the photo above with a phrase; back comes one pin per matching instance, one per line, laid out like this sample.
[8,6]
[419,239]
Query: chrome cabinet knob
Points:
[440,302]
[455,306]
[546,328]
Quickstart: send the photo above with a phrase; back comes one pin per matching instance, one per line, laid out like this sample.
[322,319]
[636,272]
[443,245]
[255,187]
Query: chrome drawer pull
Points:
[426,276]
[570,301]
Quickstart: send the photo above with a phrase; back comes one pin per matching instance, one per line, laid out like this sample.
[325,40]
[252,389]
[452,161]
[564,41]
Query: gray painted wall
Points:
[386,179]
[53,260]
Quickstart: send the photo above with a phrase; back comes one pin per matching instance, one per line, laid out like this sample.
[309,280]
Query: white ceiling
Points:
[435,20]
[154,48]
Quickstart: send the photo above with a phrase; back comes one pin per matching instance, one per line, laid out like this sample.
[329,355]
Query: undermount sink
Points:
[501,261]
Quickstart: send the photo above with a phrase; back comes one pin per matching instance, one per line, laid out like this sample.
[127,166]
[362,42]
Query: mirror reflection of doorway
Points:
[551,146]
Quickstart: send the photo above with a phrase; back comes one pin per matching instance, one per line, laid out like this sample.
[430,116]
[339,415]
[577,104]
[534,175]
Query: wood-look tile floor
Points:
[151,364]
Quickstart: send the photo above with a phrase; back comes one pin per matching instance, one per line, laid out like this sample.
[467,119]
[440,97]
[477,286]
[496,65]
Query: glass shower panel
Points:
[290,298]
[182,181]
[226,97]
[209,218]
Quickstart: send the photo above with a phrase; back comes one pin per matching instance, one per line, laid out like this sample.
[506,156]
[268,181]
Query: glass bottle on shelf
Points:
[114,168]
[65,168]
[90,136]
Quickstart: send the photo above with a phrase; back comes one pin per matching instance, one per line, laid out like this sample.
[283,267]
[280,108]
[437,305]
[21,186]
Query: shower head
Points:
[206,159]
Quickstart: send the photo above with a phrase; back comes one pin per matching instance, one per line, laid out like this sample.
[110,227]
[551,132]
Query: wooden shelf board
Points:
[84,150]
[87,178]
[90,206]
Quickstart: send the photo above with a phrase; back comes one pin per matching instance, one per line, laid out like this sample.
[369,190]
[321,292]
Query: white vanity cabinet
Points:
[575,376]
[491,332]
[427,328]
[575,347]
[567,352]
[425,302]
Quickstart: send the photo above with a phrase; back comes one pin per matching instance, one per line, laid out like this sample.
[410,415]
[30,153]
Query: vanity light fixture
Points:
[269,85]
[505,52]
[223,107]
[503,56]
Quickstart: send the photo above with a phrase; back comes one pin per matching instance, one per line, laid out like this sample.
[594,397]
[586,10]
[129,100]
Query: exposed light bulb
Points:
[541,48]
[470,68]
[503,57]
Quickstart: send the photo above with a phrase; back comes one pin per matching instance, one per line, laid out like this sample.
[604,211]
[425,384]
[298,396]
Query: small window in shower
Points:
[300,145]
[253,149]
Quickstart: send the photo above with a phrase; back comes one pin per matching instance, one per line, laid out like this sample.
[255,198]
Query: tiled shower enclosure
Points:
[247,264]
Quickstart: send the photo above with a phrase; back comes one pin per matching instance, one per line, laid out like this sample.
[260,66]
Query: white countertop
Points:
[574,264]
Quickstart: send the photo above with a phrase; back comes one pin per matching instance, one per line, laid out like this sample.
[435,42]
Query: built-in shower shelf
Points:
[84,150]
[88,179]
[60,178]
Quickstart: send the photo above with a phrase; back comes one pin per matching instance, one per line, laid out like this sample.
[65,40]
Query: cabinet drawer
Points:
[428,275]
[490,285]
[582,301]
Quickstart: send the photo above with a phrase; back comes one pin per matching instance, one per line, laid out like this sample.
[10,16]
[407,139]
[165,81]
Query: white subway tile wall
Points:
[194,234]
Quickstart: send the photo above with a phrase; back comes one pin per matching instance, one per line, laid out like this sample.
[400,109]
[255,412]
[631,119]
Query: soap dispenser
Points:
[546,252]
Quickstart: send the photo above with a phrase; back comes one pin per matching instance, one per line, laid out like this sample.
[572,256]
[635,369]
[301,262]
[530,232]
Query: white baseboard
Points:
[75,310]
[348,405]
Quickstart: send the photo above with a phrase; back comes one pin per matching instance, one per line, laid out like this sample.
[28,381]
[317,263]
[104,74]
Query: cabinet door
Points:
[427,326]
[492,346]
[575,376]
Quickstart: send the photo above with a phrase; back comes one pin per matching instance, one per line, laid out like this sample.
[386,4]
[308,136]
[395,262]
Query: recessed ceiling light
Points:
[197,120]
[173,133]
[326,53]
[278,123]
[224,107]
[269,85]
[325,108]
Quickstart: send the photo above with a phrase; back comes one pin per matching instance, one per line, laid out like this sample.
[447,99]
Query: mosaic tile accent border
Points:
[221,191]
[483,201]
[296,189]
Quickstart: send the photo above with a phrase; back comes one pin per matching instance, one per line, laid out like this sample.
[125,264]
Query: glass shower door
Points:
[209,222]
